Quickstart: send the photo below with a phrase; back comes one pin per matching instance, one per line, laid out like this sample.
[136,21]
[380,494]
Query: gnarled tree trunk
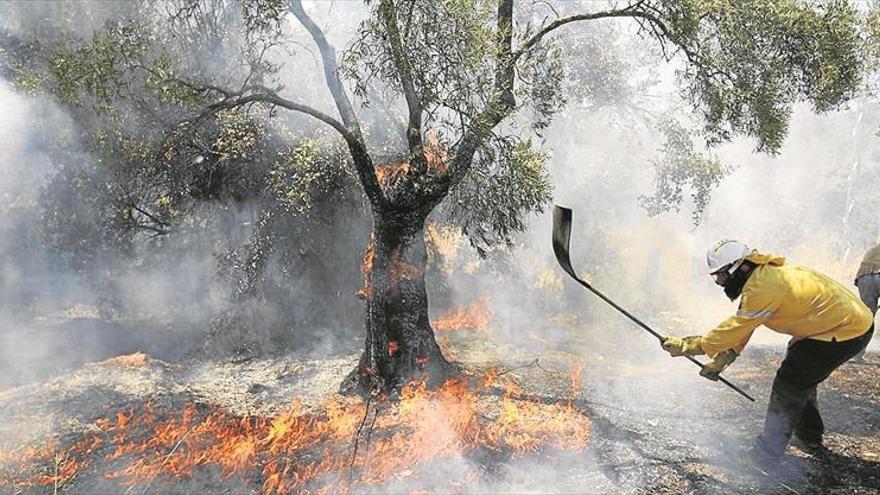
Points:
[399,342]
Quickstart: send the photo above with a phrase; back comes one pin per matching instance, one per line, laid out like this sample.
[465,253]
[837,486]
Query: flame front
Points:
[366,291]
[302,450]
[388,174]
[399,270]
[474,316]
[435,155]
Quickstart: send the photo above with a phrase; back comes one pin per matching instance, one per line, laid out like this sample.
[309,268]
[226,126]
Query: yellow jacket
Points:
[793,300]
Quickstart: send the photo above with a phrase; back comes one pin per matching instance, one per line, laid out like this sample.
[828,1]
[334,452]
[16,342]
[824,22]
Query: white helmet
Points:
[726,253]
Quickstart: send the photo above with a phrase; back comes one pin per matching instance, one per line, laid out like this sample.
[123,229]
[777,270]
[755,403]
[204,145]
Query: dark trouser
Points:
[793,406]
[869,291]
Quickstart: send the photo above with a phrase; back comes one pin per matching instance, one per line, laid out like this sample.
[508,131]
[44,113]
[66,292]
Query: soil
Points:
[657,427]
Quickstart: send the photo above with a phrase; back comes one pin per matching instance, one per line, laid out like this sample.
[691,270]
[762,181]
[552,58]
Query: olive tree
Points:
[468,85]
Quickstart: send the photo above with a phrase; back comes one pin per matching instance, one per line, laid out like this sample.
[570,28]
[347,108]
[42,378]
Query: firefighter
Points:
[827,322]
[868,282]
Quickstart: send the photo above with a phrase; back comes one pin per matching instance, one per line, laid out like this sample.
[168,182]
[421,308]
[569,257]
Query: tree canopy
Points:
[457,69]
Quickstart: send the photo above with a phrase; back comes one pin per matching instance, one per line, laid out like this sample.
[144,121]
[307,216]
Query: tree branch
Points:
[628,11]
[363,163]
[501,103]
[638,10]
[150,216]
[156,230]
[263,95]
[388,11]
[661,32]
[331,73]
[505,63]
[362,160]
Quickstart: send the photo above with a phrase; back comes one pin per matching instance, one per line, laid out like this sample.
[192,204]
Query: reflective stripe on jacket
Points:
[792,300]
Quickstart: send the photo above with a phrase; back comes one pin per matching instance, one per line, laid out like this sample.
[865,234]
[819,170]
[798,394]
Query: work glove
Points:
[682,346]
[713,368]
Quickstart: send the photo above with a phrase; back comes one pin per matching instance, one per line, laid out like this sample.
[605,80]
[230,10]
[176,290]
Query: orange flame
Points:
[366,291]
[435,154]
[489,377]
[388,174]
[300,450]
[137,359]
[475,315]
[62,466]
[400,270]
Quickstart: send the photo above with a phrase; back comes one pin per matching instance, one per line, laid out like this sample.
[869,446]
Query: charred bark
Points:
[399,341]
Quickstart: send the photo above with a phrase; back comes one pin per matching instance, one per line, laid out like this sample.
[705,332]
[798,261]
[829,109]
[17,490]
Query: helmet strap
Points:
[734,285]
[735,266]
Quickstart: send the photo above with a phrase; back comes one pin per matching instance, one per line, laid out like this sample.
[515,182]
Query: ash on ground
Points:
[649,433]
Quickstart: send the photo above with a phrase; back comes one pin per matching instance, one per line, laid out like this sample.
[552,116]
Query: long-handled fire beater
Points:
[561,239]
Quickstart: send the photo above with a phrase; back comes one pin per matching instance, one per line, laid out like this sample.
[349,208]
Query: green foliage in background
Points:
[682,166]
[752,59]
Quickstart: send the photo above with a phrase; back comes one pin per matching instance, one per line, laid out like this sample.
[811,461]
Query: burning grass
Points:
[302,450]
[137,359]
[474,316]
